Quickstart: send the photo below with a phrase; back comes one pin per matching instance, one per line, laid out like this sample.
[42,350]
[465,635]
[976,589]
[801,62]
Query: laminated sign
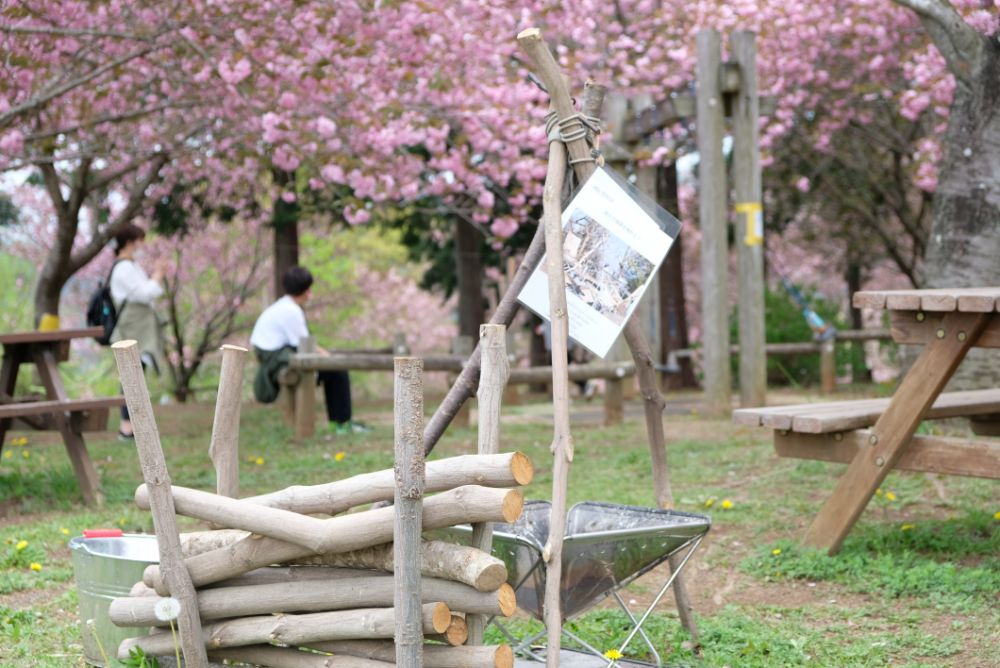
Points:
[614,240]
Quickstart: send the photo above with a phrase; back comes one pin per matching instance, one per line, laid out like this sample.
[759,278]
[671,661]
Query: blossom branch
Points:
[961,46]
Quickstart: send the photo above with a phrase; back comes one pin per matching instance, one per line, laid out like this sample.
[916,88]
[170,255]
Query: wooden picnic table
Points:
[947,323]
[70,417]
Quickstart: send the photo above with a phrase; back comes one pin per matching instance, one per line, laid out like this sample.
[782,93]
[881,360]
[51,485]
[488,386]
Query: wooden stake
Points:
[562,443]
[287,657]
[435,656]
[224,449]
[493,378]
[154,472]
[305,395]
[408,504]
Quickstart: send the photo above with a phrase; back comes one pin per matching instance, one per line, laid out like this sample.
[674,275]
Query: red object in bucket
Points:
[102,533]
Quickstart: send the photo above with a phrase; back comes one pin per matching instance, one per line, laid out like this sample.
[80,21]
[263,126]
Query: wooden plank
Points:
[872,300]
[949,456]
[892,432]
[902,302]
[55,406]
[922,328]
[967,300]
[50,337]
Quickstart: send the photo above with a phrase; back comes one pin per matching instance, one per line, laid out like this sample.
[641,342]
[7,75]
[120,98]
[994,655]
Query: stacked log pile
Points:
[292,579]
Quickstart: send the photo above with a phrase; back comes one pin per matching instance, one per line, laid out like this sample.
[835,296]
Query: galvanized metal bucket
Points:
[106,568]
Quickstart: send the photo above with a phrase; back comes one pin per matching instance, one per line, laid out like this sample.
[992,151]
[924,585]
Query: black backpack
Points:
[101,311]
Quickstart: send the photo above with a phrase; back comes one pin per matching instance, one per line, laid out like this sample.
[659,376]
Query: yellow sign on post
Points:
[754,213]
[48,323]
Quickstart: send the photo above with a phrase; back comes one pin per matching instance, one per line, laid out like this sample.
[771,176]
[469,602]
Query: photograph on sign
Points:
[614,239]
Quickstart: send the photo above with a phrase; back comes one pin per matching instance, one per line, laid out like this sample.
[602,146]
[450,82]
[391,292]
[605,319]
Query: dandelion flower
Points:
[35,566]
[21,544]
[25,453]
[906,527]
[996,515]
[890,496]
[259,461]
[612,654]
[121,521]
[709,502]
[878,491]
[727,504]
[167,609]
[340,456]
[64,531]
[776,551]
[8,454]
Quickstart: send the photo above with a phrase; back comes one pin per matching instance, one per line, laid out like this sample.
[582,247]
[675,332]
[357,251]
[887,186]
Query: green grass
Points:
[923,596]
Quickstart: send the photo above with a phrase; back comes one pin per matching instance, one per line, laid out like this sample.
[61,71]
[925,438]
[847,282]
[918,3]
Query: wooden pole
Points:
[435,656]
[288,657]
[409,446]
[305,395]
[462,347]
[154,472]
[750,223]
[224,449]
[712,218]
[492,380]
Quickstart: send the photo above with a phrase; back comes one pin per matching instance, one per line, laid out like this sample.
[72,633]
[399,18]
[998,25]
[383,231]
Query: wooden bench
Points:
[835,431]
[85,415]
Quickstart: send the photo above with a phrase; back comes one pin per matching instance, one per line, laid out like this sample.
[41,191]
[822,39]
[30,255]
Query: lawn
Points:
[916,584]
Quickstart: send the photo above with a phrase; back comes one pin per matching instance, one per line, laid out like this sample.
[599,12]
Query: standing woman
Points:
[133,293]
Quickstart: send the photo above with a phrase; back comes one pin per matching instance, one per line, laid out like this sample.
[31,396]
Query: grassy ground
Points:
[916,584]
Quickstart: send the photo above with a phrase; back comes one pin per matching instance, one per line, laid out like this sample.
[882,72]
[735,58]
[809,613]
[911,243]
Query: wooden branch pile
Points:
[289,579]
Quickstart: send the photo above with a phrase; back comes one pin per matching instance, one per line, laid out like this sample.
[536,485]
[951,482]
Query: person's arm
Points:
[129,282]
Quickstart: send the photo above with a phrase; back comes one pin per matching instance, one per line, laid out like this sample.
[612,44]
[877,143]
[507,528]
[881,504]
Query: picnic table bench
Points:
[875,436]
[55,411]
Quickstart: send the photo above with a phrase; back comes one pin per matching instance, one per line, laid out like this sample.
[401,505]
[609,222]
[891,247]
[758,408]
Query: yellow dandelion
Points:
[8,454]
[259,461]
[890,496]
[121,521]
[906,527]
[612,654]
[996,515]
[710,502]
[776,551]
[21,544]
[727,504]
[340,456]
[25,453]
[35,566]
[20,441]
[64,531]
[878,491]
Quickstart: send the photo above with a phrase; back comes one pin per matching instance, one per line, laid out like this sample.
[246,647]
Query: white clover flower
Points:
[167,609]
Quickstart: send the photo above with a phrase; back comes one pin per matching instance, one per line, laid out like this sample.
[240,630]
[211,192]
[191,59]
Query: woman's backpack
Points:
[101,311]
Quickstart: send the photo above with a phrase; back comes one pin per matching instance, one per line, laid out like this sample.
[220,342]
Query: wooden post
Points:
[224,449]
[409,446]
[305,395]
[712,218]
[828,366]
[647,311]
[614,405]
[462,345]
[154,472]
[750,222]
[492,379]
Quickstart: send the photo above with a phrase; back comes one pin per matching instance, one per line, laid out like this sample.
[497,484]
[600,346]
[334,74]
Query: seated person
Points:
[276,335]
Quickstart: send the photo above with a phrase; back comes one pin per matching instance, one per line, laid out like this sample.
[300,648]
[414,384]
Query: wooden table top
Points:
[941,300]
[50,337]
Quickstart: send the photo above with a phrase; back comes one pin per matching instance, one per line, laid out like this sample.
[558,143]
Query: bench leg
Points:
[8,378]
[892,432]
[305,406]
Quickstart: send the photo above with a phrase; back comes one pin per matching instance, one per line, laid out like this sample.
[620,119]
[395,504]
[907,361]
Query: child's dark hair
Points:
[296,281]
[127,234]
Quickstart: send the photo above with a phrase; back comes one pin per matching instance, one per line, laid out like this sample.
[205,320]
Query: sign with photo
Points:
[614,240]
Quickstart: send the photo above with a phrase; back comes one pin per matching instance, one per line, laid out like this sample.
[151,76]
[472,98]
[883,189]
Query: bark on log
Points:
[493,379]
[439,559]
[435,656]
[294,629]
[287,657]
[352,532]
[365,591]
[224,449]
[504,470]
[456,634]
[408,411]
[154,472]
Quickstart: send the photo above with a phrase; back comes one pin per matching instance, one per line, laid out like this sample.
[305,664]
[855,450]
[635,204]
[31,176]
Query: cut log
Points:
[294,629]
[435,656]
[287,657]
[440,559]
[352,532]
[509,469]
[142,589]
[456,633]
[224,449]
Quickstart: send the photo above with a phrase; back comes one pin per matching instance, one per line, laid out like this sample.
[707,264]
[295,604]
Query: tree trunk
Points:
[965,235]
[853,278]
[285,221]
[469,270]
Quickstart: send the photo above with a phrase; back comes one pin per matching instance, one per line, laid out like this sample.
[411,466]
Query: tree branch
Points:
[961,46]
[73,32]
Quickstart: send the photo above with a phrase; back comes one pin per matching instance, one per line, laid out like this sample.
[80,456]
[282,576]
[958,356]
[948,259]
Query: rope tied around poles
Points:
[571,128]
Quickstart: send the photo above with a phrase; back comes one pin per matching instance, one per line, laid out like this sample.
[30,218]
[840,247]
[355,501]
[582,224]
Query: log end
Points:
[507,599]
[141,589]
[457,632]
[513,504]
[529,34]
[504,657]
[122,345]
[491,577]
[142,497]
[521,468]
[127,645]
[440,617]
[229,346]
[150,575]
